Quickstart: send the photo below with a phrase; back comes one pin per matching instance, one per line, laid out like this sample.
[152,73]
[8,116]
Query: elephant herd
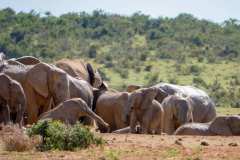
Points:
[71,91]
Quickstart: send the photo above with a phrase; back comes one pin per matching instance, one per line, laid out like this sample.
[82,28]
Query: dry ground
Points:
[145,147]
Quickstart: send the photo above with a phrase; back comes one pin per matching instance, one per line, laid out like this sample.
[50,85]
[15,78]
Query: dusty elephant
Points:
[81,70]
[43,82]
[178,111]
[4,111]
[70,111]
[13,93]
[146,110]
[112,107]
[203,106]
[222,125]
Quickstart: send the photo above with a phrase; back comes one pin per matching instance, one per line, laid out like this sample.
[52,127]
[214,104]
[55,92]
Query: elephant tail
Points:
[91,73]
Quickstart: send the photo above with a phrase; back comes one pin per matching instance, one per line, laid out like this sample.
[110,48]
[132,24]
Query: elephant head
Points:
[182,111]
[178,111]
[142,98]
[49,81]
[226,125]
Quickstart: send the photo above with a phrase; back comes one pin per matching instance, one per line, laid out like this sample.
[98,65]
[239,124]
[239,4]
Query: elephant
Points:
[43,83]
[12,92]
[146,110]
[70,111]
[178,111]
[78,69]
[221,126]
[112,107]
[4,112]
[203,106]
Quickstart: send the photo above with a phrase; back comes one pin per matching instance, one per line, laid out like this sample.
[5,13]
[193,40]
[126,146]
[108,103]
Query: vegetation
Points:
[56,135]
[134,50]
[14,139]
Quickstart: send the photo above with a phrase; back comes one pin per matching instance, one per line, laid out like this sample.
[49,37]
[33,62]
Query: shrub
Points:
[56,135]
[152,78]
[199,81]
[194,69]
[14,139]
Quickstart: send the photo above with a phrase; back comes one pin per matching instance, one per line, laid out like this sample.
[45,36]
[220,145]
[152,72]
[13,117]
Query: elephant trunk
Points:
[98,119]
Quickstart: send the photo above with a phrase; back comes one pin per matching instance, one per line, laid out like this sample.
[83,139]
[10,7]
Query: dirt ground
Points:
[144,147]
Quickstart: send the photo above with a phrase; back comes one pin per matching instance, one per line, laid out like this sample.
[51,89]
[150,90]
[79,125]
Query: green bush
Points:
[56,135]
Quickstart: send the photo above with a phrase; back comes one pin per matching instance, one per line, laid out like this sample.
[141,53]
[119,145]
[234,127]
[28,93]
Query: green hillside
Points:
[134,50]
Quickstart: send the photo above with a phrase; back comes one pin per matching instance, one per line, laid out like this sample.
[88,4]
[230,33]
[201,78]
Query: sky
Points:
[214,10]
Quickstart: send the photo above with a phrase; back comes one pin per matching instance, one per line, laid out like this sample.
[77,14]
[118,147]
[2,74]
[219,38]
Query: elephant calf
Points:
[12,92]
[146,111]
[70,111]
[222,125]
[178,111]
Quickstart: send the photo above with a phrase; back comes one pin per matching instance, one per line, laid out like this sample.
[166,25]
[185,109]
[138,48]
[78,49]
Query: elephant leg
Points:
[19,117]
[32,113]
[133,122]
[145,126]
[169,126]
[32,106]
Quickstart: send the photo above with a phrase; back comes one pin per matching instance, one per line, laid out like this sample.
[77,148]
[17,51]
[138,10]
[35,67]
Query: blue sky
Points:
[215,10]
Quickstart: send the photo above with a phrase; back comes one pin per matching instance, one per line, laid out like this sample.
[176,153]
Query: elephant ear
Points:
[37,78]
[148,96]
[220,126]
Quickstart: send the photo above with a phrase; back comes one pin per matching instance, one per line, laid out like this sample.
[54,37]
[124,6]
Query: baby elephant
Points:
[222,126]
[12,92]
[70,111]
[146,111]
[177,111]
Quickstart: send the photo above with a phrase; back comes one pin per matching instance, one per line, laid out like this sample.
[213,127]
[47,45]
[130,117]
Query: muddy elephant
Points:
[178,111]
[221,126]
[14,95]
[81,70]
[112,107]
[146,111]
[43,83]
[203,106]
[70,111]
[4,111]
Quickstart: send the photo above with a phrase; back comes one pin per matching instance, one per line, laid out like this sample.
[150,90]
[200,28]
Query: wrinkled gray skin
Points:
[43,82]
[203,107]
[70,111]
[222,126]
[4,111]
[12,92]
[146,111]
[178,111]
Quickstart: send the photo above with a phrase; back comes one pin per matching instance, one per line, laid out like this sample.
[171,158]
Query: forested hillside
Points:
[134,50]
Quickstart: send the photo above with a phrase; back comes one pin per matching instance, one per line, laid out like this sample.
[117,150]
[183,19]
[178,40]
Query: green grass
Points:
[227,111]
[167,70]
